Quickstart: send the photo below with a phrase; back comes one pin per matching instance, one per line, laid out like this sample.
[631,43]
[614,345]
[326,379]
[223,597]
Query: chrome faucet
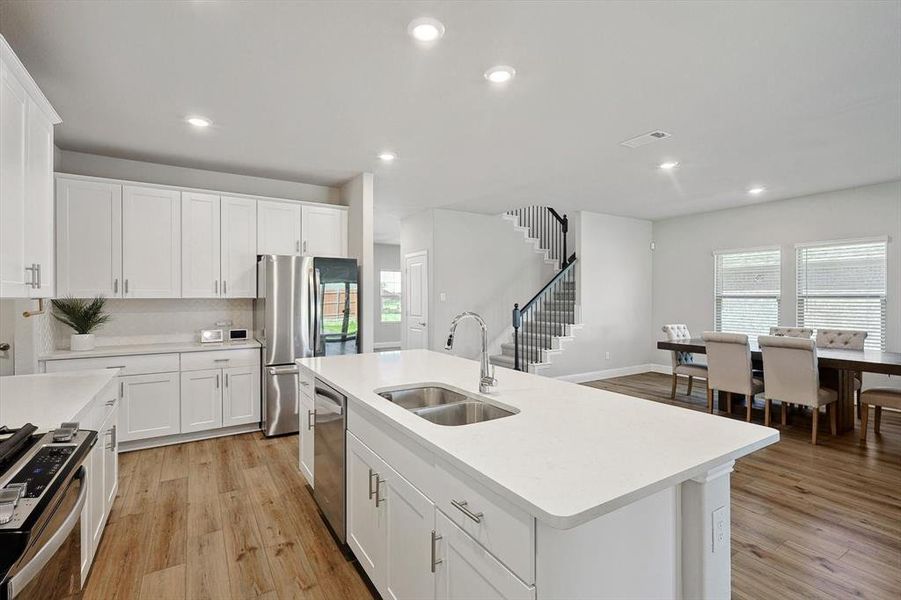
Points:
[486,376]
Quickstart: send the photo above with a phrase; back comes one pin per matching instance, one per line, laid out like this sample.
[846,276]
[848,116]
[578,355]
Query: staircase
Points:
[543,325]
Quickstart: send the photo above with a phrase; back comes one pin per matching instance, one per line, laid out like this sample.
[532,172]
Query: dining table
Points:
[846,364]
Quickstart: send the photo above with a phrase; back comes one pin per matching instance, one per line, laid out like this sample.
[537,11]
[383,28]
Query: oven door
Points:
[51,566]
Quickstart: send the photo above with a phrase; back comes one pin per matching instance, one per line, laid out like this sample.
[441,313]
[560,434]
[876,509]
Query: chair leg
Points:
[729,402]
[690,378]
[864,417]
[672,394]
[750,404]
[815,413]
[878,420]
[783,412]
[709,400]
[767,406]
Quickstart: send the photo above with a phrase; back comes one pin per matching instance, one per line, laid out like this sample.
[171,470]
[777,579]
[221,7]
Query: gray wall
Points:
[387,258]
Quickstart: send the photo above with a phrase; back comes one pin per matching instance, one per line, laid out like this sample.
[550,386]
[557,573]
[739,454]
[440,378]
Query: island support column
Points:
[706,537]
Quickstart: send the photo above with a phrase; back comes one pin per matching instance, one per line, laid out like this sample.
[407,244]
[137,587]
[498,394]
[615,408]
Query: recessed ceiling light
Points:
[754,191]
[426,29]
[669,165]
[387,156]
[500,74]
[199,121]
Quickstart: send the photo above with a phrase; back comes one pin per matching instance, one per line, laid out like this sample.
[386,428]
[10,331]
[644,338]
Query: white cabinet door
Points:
[13,131]
[88,238]
[410,522]
[278,227]
[151,242]
[200,245]
[324,231]
[307,444]
[467,570]
[150,406]
[201,400]
[39,191]
[365,518]
[96,498]
[239,247]
[240,396]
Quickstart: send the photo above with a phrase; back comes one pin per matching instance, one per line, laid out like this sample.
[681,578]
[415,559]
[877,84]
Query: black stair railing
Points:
[544,316]
[548,227]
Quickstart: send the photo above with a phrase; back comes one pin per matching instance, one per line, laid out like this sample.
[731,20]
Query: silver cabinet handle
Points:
[116,285]
[372,491]
[463,507]
[111,402]
[435,560]
[216,286]
[126,287]
[305,383]
[378,489]
[217,381]
[116,367]
[34,281]
[226,380]
[310,415]
[111,432]
[114,435]
[121,389]
[224,287]
[297,245]
[304,246]
[221,359]
[37,271]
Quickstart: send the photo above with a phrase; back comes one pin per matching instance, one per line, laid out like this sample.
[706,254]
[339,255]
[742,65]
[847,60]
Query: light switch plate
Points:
[443,296]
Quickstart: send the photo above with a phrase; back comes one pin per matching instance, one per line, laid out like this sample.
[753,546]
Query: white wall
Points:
[359,195]
[683,260]
[613,274]
[387,258]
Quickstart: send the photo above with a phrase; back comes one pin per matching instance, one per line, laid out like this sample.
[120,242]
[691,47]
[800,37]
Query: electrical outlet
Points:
[606,356]
[442,296]
[720,529]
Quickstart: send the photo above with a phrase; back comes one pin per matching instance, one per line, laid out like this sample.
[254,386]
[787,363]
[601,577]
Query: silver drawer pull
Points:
[116,367]
[372,491]
[463,507]
[435,560]
[310,415]
[305,383]
[221,359]
[378,489]
[111,402]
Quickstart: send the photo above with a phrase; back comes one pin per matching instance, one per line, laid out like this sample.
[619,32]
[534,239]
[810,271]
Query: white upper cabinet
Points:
[278,227]
[324,231]
[151,242]
[239,247]
[200,245]
[26,190]
[88,238]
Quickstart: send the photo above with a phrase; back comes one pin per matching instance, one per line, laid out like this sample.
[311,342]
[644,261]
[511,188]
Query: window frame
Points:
[383,296]
[718,296]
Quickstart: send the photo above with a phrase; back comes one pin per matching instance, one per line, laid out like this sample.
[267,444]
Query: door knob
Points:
[4,346]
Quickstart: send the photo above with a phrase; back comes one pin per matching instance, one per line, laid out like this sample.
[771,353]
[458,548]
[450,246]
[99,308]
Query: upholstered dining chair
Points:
[878,398]
[798,332]
[729,368]
[845,339]
[683,362]
[792,376]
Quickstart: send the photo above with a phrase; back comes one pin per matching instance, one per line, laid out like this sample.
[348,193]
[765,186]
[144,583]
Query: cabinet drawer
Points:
[502,528]
[97,412]
[219,359]
[307,382]
[131,365]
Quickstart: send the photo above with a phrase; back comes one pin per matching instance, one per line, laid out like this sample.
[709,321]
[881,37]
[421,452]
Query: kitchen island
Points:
[580,493]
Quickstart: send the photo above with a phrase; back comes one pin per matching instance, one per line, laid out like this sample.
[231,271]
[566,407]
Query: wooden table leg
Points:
[844,408]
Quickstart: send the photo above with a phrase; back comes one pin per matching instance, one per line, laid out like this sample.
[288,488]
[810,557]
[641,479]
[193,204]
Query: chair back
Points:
[798,332]
[728,362]
[790,369]
[847,339]
[675,332]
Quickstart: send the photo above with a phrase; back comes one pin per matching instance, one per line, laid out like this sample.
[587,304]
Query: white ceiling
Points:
[800,97]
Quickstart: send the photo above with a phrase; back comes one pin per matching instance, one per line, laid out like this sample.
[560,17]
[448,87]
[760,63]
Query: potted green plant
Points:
[82,315]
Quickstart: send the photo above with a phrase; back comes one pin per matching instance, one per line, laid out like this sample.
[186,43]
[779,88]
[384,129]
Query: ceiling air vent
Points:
[645,138]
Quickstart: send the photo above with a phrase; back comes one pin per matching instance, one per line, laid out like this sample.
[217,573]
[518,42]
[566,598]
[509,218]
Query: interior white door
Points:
[365,516]
[150,406]
[410,520]
[239,247]
[13,110]
[307,438]
[278,227]
[200,245]
[467,570]
[88,238]
[240,396]
[324,231]
[151,242]
[201,400]
[416,300]
[39,208]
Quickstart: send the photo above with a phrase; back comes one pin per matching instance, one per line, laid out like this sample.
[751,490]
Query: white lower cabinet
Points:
[409,531]
[201,400]
[150,406]
[366,528]
[240,396]
[307,444]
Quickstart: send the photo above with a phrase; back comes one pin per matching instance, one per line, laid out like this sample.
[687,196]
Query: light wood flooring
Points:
[231,518]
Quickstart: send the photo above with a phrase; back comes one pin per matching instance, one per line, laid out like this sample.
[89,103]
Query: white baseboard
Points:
[380,345]
[620,372]
[181,438]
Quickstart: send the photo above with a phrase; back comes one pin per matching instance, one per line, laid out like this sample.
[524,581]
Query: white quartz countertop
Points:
[48,399]
[126,350]
[571,454]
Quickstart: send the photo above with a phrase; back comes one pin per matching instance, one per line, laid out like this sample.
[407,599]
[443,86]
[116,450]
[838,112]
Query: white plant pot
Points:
[82,341]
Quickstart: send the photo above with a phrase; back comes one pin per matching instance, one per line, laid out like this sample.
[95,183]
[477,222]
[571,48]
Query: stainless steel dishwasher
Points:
[330,424]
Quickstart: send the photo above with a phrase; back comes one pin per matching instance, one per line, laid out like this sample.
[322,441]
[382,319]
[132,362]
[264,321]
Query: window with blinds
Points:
[843,286]
[747,290]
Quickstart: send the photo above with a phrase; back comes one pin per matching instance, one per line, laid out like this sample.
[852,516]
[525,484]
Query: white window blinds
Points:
[843,286]
[747,289]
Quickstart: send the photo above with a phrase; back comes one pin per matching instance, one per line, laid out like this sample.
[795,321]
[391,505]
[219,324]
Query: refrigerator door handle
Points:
[317,311]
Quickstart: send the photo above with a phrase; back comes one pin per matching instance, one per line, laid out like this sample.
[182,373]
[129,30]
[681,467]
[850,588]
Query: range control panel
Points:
[40,471]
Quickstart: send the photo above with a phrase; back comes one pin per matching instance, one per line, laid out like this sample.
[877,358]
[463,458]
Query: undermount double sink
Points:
[444,406]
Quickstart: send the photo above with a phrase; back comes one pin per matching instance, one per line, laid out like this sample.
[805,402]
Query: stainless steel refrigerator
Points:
[305,306]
